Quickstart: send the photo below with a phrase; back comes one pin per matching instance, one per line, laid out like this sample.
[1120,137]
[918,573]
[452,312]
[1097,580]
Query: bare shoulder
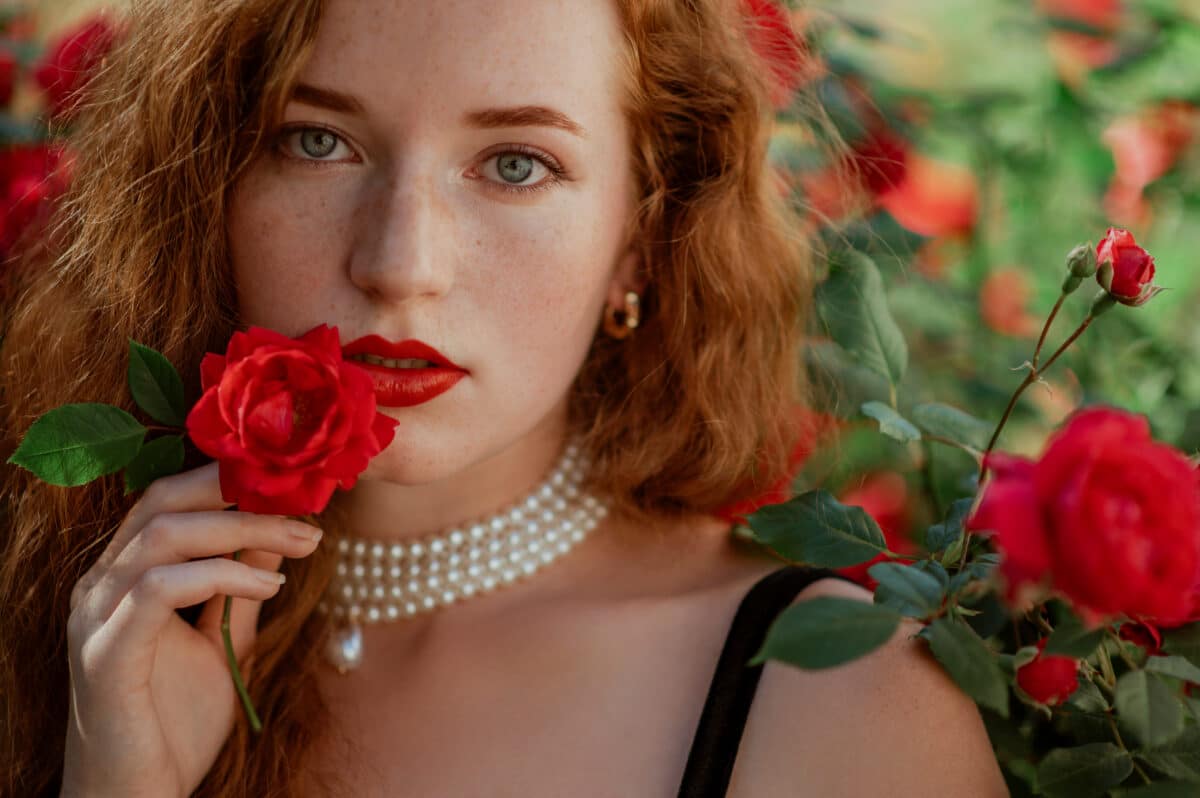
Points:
[891,722]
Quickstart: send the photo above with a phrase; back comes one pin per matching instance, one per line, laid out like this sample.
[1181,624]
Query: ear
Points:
[626,277]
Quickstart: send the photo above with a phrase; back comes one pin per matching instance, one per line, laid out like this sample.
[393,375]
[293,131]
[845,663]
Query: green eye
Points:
[318,143]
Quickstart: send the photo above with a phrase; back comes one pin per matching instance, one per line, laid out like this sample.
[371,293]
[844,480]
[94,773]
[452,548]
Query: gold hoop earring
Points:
[629,315]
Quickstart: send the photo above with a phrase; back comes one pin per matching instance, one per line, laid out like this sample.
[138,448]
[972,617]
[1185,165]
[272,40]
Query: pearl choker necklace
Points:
[378,582]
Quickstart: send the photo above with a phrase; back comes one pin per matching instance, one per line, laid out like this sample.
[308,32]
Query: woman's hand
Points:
[152,698]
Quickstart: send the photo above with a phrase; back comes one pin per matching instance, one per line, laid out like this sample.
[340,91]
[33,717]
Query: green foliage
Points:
[801,634]
[969,662]
[1083,771]
[156,385]
[815,528]
[77,443]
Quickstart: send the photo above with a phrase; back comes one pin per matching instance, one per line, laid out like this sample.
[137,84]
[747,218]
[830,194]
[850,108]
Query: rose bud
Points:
[1145,635]
[1081,264]
[1125,270]
[1049,679]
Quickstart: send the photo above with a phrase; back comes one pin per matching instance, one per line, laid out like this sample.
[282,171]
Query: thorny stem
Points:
[1116,638]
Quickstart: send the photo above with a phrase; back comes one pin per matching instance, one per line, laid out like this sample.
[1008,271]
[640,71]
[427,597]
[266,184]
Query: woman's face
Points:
[456,172]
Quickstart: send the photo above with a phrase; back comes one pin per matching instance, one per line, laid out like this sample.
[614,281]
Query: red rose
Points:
[884,495]
[8,74]
[775,41]
[31,178]
[1004,302]
[71,61]
[1124,269]
[1109,517]
[289,420]
[1146,635]
[1049,679]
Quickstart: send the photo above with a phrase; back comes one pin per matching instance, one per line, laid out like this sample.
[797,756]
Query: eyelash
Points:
[557,173]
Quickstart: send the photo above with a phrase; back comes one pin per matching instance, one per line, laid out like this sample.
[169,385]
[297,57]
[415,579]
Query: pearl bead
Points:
[497,525]
[377,551]
[373,615]
[395,572]
[392,612]
[416,550]
[397,551]
[343,546]
[457,538]
[477,532]
[377,572]
[360,548]
[436,547]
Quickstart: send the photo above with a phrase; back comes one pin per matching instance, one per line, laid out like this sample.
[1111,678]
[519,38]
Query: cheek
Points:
[277,240]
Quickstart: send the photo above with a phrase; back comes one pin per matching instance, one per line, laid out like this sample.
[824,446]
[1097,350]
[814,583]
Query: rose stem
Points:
[255,724]
[1050,320]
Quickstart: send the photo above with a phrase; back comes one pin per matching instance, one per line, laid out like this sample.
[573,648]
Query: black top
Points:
[710,762]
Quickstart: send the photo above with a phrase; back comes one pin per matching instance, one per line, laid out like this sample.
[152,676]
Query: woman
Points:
[567,201]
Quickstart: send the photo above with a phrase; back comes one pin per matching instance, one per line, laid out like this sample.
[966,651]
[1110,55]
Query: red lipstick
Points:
[405,387]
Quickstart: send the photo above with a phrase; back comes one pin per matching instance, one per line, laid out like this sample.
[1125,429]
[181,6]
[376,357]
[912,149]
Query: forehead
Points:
[426,54]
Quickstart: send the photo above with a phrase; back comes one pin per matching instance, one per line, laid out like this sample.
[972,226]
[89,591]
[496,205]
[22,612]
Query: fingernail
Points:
[306,533]
[270,577]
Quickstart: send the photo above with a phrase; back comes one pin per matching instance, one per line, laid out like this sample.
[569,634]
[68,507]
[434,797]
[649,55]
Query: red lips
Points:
[405,387]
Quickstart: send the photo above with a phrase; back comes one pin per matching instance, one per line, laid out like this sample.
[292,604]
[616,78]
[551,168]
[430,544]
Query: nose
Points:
[403,239]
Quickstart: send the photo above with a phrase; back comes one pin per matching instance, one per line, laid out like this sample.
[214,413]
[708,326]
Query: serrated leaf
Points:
[1175,666]
[853,306]
[1083,771]
[1072,639]
[940,537]
[906,589]
[1148,708]
[1184,641]
[891,423]
[1179,759]
[156,385]
[949,422]
[74,444]
[970,663]
[817,529]
[159,458]
[826,631]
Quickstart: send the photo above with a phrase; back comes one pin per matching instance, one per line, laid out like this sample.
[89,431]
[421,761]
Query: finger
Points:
[197,489]
[172,538]
[243,612]
[129,635]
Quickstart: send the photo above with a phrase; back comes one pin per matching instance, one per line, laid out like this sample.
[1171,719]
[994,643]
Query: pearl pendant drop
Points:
[380,583]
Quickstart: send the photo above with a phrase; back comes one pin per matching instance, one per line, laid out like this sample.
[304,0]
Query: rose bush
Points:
[1047,678]
[1125,270]
[289,420]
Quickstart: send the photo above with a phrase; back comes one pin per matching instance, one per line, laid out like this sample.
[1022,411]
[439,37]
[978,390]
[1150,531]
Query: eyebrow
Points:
[515,116]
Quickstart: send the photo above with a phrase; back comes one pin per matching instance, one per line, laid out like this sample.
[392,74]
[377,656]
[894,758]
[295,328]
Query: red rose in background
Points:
[813,427]
[289,420]
[934,198]
[8,75]
[1049,679]
[31,178]
[1075,53]
[1003,302]
[1125,270]
[1145,146]
[884,495]
[1108,516]
[71,61]
[773,38]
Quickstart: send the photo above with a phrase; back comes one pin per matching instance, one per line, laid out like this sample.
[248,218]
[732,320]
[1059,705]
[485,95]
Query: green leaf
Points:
[1175,666]
[969,661]
[817,529]
[1072,639]
[1159,789]
[891,423]
[945,421]
[1148,708]
[853,306]
[1184,641]
[907,589]
[1083,771]
[827,631]
[156,385]
[1179,759]
[159,458]
[1088,697]
[77,443]
[940,537]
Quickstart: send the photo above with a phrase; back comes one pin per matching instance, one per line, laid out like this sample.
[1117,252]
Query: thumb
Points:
[244,612]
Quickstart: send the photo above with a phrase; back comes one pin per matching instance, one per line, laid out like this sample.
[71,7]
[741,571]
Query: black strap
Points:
[714,748]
